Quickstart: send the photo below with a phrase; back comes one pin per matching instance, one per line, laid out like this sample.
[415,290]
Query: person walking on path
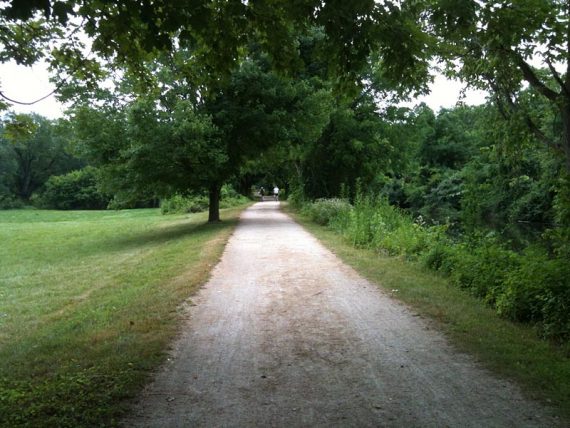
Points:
[276,193]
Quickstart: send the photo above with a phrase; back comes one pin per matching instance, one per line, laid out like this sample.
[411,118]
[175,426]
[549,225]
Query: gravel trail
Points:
[286,335]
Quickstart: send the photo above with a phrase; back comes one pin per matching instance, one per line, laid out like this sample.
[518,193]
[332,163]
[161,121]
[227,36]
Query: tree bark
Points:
[214,206]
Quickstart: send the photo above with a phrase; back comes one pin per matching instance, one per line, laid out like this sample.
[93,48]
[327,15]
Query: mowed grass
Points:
[89,302]
[510,350]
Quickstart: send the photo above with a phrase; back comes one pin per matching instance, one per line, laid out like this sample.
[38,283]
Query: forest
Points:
[308,95]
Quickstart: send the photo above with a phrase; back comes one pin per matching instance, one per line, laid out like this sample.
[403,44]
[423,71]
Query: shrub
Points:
[9,202]
[228,192]
[539,291]
[363,221]
[76,190]
[439,256]
[297,198]
[231,198]
[326,211]
[179,204]
[483,268]
[556,310]
[413,240]
[377,224]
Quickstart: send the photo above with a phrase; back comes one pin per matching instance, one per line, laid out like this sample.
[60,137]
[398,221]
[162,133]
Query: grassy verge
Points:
[88,304]
[510,350]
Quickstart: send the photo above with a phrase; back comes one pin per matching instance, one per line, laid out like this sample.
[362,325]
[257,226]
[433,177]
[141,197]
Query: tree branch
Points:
[505,101]
[24,103]
[540,135]
[532,78]
[557,78]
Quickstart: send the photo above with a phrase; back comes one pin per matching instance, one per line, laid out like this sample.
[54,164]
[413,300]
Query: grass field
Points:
[88,304]
[510,350]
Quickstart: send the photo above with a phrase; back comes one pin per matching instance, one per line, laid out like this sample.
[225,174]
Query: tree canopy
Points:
[495,45]
[130,32]
[174,142]
[278,73]
[491,45]
[32,149]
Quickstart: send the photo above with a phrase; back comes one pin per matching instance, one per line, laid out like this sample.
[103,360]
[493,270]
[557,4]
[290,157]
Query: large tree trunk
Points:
[214,208]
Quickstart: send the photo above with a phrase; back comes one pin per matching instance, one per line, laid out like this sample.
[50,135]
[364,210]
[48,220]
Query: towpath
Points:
[286,335]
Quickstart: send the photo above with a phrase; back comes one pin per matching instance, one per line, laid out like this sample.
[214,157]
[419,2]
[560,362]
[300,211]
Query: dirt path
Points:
[284,334]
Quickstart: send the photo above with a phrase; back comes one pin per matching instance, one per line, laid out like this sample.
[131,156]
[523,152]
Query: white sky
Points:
[28,84]
[31,83]
[445,93]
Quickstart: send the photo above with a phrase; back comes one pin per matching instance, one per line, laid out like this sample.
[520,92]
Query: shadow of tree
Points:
[161,235]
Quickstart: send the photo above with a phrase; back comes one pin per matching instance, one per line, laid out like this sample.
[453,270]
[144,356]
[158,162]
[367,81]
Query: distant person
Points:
[261,193]
[276,193]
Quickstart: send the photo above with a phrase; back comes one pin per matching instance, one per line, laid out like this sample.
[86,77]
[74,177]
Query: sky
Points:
[445,93]
[28,84]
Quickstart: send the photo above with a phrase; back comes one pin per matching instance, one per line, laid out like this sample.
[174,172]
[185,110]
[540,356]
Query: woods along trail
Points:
[284,334]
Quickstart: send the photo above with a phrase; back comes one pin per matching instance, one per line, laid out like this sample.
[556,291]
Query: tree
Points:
[128,33]
[351,148]
[492,45]
[174,142]
[146,153]
[36,148]
[452,141]
[8,169]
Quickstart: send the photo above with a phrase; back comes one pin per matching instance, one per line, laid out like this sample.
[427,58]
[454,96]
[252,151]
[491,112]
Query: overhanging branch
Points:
[508,108]
[532,78]
[24,103]
[557,78]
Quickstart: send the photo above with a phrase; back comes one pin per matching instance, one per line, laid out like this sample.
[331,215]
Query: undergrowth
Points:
[510,349]
[179,204]
[531,286]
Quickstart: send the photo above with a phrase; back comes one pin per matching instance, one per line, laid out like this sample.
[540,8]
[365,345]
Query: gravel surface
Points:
[284,334]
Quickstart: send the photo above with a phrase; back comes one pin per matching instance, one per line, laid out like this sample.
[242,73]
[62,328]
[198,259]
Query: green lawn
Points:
[510,350]
[89,301]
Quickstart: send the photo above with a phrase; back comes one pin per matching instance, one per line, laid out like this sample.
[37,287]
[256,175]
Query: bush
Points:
[228,192]
[439,256]
[76,190]
[375,223]
[231,198]
[297,198]
[482,268]
[530,287]
[9,202]
[325,211]
[365,221]
[539,291]
[179,204]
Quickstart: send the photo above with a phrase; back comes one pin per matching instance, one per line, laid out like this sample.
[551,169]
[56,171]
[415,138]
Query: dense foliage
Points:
[76,190]
[492,217]
[32,149]
[531,286]
[179,204]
